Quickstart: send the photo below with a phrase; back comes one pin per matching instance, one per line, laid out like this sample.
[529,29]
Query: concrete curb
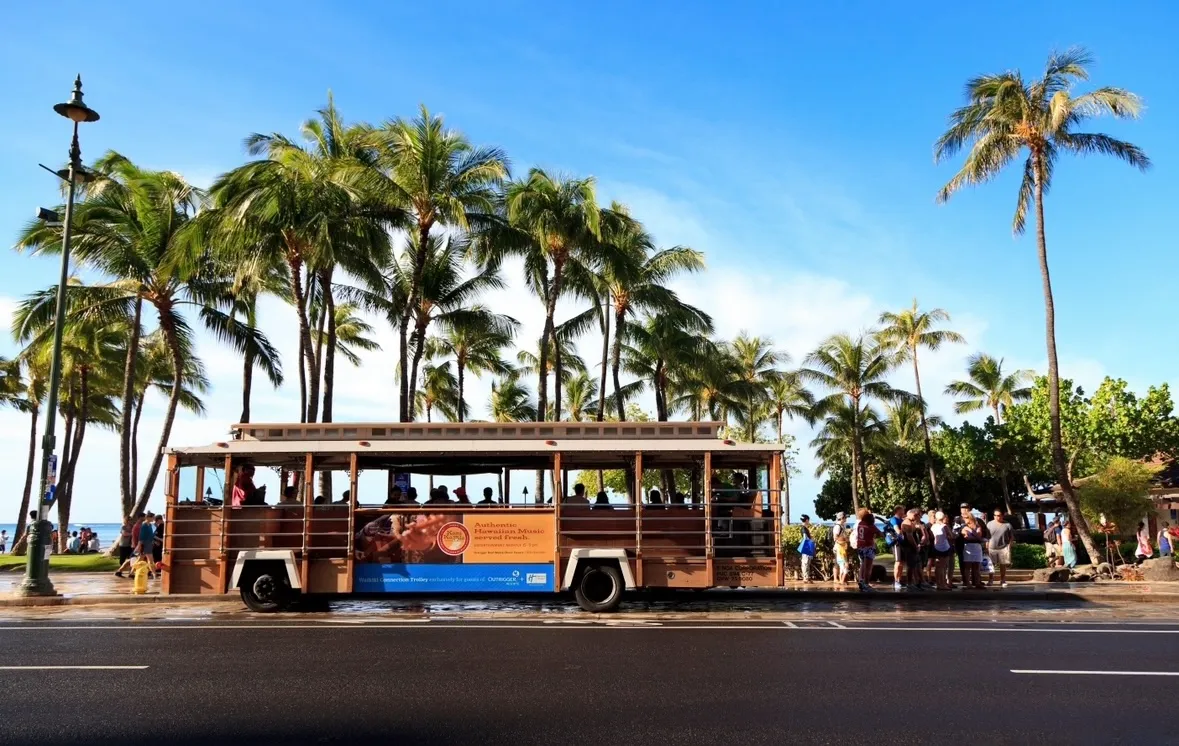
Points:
[881,596]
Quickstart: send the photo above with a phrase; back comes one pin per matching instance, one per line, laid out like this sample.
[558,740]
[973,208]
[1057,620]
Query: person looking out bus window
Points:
[438,496]
[395,496]
[290,496]
[578,497]
[654,498]
[243,487]
[601,501]
[460,495]
[345,498]
[487,499]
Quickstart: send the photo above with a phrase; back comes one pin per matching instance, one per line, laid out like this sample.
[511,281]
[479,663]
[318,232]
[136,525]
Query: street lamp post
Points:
[36,582]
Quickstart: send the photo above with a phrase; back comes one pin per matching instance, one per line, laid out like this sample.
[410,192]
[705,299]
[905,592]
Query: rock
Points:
[1104,570]
[1160,570]
[1051,575]
[1081,577]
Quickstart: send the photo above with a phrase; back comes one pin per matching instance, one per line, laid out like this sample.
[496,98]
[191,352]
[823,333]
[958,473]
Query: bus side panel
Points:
[193,565]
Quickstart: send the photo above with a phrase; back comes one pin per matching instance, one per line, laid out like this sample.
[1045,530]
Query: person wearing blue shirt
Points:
[893,539]
[147,537]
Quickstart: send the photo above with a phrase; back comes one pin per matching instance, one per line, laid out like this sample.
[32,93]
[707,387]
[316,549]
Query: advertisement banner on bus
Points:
[482,552]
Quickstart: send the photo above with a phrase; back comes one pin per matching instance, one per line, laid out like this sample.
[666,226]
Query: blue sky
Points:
[789,142]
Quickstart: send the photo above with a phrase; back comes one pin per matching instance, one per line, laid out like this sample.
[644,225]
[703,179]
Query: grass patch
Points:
[64,563]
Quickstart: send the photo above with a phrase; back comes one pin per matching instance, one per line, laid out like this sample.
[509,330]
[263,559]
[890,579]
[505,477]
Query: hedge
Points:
[1028,556]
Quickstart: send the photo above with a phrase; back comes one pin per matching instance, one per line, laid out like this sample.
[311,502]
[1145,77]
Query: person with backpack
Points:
[892,539]
[806,549]
[910,546]
[839,540]
[864,540]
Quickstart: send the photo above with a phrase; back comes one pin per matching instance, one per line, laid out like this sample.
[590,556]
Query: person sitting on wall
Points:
[578,497]
[601,502]
[395,496]
[487,499]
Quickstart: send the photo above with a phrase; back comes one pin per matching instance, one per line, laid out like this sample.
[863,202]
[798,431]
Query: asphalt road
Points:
[287,681]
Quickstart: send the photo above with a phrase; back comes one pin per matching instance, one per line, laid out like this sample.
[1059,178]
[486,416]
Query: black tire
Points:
[599,588]
[266,591]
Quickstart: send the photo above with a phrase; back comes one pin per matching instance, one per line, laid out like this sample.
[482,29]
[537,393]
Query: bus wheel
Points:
[599,589]
[268,591]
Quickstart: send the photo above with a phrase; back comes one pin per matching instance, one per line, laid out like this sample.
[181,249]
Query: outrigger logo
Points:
[453,538]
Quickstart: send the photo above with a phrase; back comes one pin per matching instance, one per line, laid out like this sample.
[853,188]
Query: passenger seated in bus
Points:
[411,496]
[345,498]
[487,500]
[290,496]
[438,496]
[395,496]
[601,502]
[243,487]
[578,497]
[677,498]
[319,500]
[460,496]
[654,499]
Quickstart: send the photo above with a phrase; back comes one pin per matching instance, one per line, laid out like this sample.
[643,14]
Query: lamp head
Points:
[47,215]
[75,109]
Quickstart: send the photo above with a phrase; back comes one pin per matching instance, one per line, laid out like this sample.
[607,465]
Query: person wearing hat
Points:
[806,558]
[840,539]
[460,494]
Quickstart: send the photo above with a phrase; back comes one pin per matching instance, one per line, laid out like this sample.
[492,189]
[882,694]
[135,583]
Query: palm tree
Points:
[908,331]
[660,350]
[632,281]
[562,346]
[476,342]
[25,383]
[511,400]
[841,438]
[312,208]
[1005,116]
[757,363]
[444,181]
[581,396]
[853,368]
[439,391]
[905,423]
[562,223]
[989,388]
[447,298]
[256,276]
[351,334]
[131,227]
[786,396]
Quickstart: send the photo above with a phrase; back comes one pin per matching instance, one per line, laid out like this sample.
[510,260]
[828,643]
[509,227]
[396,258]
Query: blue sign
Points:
[407,578]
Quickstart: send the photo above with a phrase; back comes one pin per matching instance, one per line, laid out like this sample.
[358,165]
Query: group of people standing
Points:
[141,541]
[924,548]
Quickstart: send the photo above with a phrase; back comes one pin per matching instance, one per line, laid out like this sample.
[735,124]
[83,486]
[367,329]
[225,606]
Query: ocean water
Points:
[108,533]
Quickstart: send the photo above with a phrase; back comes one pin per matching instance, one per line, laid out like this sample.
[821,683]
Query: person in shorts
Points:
[1002,535]
[895,541]
[124,548]
[839,538]
[866,535]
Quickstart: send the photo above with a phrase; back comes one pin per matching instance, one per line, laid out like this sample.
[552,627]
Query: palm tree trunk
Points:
[855,453]
[315,349]
[937,500]
[419,268]
[65,493]
[419,351]
[460,364]
[168,325]
[22,516]
[135,446]
[305,351]
[126,486]
[616,363]
[248,385]
[542,399]
[1058,458]
[601,414]
[329,369]
[403,369]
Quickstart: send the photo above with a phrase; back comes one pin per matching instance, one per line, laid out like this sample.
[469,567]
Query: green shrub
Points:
[1028,556]
[823,565]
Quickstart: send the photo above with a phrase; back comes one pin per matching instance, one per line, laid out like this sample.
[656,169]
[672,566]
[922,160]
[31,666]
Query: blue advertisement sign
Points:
[452,578]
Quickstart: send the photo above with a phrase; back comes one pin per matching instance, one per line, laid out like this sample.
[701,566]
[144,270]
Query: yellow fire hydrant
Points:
[140,571]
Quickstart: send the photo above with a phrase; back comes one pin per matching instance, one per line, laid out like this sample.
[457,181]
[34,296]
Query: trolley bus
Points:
[721,530]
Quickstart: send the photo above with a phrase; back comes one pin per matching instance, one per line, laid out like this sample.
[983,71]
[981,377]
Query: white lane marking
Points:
[597,626]
[1098,673]
[837,625]
[72,668]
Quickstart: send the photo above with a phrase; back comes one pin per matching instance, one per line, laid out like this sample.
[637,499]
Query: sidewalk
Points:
[105,588]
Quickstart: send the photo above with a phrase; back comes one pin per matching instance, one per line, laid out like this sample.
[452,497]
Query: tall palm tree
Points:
[439,391]
[254,277]
[562,347]
[907,331]
[510,400]
[905,423]
[132,227]
[25,384]
[311,207]
[757,363]
[660,350]
[633,280]
[706,382]
[786,396]
[476,342]
[561,220]
[1005,116]
[854,369]
[444,181]
[841,438]
[989,388]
